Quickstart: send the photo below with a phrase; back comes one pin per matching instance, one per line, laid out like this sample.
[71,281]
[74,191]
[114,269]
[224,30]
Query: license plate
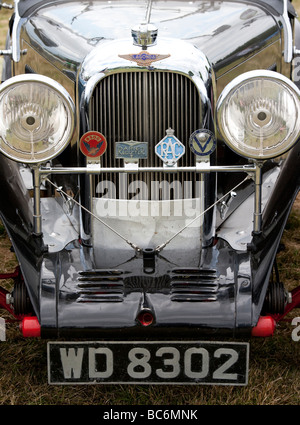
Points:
[155,362]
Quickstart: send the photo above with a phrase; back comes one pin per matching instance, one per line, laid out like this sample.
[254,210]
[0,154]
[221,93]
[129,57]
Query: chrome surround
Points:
[103,61]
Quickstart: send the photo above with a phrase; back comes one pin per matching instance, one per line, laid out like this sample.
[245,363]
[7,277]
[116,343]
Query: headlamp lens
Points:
[36,119]
[259,116]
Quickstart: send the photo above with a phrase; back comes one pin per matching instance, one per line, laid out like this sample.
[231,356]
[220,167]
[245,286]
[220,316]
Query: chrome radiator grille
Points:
[141,106]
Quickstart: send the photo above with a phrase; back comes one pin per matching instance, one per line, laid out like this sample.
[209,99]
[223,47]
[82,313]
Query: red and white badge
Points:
[93,144]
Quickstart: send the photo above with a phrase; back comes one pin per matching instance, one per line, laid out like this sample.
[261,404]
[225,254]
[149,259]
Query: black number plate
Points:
[137,362]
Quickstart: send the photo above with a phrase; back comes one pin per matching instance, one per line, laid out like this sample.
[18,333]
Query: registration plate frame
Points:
[148,362]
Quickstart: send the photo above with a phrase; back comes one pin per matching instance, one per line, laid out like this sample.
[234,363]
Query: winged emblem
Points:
[93,150]
[144,58]
[93,144]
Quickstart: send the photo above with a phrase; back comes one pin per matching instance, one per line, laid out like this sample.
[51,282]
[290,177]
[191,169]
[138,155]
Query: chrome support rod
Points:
[37,217]
[257,199]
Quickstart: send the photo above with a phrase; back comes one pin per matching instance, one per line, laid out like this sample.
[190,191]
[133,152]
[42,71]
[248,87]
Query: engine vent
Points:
[182,285]
[100,286]
[194,285]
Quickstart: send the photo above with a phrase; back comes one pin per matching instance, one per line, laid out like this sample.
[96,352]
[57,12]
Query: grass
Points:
[274,377]
[274,380]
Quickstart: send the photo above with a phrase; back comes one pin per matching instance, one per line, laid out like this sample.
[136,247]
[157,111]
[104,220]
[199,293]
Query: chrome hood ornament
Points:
[144,35]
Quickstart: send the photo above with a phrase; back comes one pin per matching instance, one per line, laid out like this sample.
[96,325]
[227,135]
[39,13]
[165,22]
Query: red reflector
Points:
[265,327]
[145,318]
[30,327]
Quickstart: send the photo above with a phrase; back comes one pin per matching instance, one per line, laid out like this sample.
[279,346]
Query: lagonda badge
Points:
[202,142]
[144,58]
[93,144]
[170,149]
[131,150]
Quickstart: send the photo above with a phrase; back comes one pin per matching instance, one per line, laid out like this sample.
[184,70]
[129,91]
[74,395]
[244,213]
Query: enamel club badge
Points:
[170,149]
[202,142]
[93,144]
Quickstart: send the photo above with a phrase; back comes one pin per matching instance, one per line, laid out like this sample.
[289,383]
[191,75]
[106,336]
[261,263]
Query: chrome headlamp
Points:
[258,114]
[36,118]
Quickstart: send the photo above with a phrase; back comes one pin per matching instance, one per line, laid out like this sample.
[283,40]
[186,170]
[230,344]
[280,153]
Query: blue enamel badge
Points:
[169,149]
[202,142]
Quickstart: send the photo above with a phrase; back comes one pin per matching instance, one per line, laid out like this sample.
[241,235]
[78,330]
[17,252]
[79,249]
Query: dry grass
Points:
[274,362]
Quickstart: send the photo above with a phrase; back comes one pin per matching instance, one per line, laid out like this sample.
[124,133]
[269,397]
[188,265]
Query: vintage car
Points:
[149,162]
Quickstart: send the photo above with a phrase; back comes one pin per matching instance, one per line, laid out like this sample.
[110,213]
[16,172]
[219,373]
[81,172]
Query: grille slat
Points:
[141,106]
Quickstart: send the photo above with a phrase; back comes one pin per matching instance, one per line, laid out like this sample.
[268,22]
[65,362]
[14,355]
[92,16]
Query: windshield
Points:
[275,6]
